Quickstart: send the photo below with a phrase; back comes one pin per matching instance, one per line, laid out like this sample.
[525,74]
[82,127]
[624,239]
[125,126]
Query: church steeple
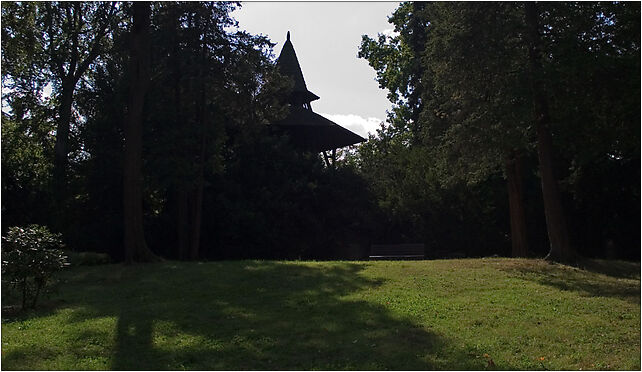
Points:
[288,65]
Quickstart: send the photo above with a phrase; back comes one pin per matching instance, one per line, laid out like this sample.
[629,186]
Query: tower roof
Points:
[288,65]
[314,132]
[307,129]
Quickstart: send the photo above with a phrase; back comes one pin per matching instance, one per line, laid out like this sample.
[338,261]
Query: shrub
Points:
[30,255]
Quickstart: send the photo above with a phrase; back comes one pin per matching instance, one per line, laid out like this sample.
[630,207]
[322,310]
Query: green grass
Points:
[400,315]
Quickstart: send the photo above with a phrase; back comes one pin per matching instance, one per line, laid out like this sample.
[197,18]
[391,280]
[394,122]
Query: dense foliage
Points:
[467,87]
[457,166]
[30,255]
[216,184]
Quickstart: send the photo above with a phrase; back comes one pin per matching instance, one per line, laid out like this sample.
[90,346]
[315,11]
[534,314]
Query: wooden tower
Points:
[307,129]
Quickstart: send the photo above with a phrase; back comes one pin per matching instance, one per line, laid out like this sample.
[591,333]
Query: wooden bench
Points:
[397,251]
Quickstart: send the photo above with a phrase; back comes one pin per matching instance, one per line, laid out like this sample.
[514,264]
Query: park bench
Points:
[397,252]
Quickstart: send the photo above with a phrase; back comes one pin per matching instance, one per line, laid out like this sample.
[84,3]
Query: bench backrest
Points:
[397,250]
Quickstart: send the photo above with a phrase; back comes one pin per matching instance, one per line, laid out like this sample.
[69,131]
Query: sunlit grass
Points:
[449,314]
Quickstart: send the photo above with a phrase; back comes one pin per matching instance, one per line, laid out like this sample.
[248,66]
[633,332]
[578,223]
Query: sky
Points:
[326,38]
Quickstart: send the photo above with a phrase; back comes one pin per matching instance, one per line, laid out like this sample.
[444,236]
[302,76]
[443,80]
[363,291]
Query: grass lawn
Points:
[400,315]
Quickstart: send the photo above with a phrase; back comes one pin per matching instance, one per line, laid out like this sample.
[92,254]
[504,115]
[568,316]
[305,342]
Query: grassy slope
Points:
[453,314]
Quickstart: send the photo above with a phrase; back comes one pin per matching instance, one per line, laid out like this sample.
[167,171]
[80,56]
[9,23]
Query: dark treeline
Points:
[461,164]
[511,120]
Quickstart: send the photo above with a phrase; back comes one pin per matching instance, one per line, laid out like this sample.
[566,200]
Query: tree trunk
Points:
[182,223]
[136,249]
[197,215]
[197,220]
[198,199]
[182,214]
[560,247]
[61,147]
[518,237]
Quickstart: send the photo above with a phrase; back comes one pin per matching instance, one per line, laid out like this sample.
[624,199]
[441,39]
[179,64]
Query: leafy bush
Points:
[30,255]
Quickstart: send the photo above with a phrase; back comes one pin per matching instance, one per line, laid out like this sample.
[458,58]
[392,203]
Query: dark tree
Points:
[74,34]
[136,249]
[157,127]
[517,213]
[499,80]
[53,45]
[561,249]
[468,87]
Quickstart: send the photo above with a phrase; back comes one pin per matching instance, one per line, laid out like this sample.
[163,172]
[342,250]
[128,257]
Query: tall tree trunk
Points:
[182,212]
[136,249]
[560,247]
[198,199]
[182,223]
[197,215]
[519,241]
[61,148]
[197,218]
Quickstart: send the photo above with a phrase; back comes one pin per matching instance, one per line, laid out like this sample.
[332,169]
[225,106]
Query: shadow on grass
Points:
[618,279]
[251,315]
[614,268]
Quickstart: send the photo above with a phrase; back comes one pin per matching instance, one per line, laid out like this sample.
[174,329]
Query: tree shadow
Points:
[616,280]
[253,315]
[614,268]
[24,358]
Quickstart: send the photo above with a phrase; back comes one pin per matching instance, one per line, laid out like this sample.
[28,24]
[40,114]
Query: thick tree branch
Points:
[56,63]
[74,37]
[96,47]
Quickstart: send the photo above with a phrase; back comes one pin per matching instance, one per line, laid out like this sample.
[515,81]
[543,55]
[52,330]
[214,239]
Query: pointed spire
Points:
[288,64]
[308,131]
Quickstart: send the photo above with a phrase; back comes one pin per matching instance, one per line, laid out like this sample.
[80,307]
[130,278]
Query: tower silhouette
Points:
[308,130]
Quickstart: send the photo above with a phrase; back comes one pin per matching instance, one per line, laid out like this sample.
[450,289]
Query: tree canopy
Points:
[464,76]
[514,131]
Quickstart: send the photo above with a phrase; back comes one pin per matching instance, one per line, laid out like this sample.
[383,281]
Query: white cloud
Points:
[360,125]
